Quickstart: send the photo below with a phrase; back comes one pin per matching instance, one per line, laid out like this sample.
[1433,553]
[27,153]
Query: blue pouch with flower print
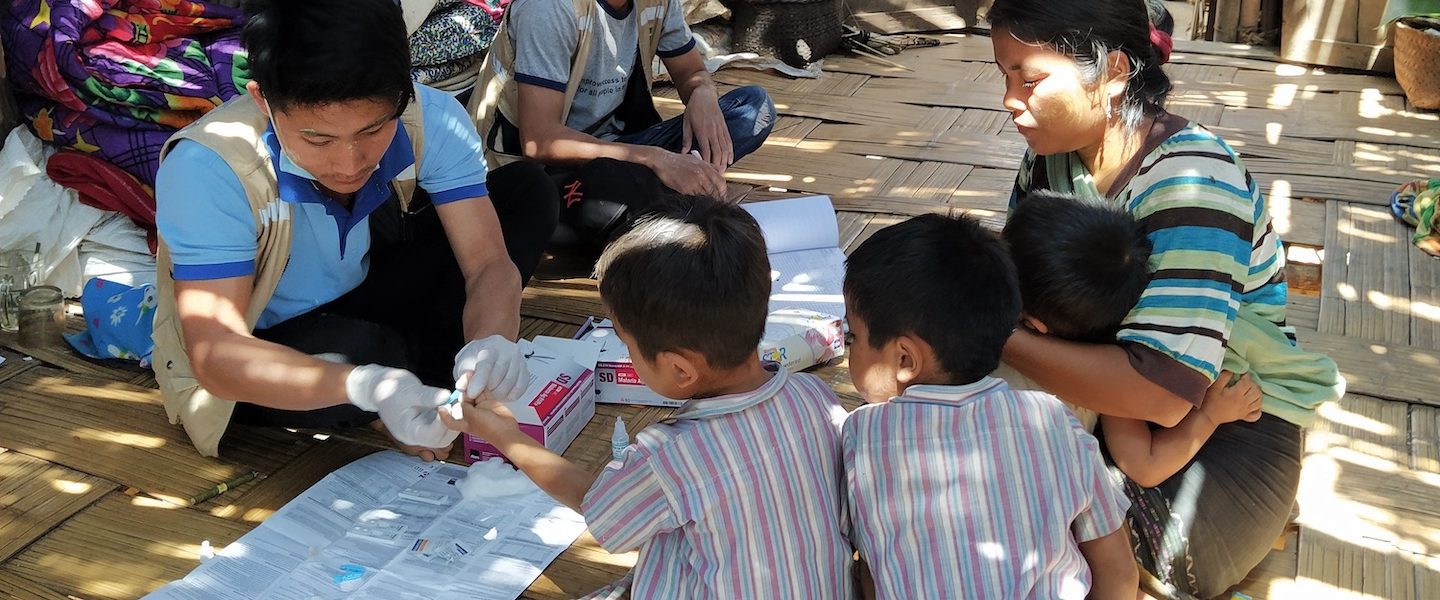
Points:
[119,321]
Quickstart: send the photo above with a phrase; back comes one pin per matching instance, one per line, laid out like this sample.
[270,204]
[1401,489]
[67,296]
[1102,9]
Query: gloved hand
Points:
[492,364]
[406,406]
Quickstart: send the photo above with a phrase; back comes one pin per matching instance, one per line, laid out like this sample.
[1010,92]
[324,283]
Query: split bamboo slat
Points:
[36,496]
[122,548]
[120,432]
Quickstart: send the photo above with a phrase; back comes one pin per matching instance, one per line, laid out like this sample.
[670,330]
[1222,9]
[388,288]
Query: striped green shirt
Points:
[1215,249]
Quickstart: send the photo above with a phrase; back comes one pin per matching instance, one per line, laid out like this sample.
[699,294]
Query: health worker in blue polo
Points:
[331,256]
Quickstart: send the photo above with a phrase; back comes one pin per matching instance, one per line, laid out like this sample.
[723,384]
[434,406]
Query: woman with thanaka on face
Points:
[1085,86]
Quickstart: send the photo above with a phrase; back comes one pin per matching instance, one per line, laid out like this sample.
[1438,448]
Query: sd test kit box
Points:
[559,401]
[615,379]
[796,338]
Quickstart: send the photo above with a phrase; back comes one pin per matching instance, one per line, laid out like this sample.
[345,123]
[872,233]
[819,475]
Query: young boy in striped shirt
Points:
[737,495]
[958,486]
[1083,264]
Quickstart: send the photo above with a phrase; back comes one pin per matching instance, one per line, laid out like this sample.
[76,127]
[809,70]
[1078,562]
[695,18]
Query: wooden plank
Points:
[286,483]
[858,109]
[60,354]
[1253,144]
[940,118]
[909,20]
[1389,371]
[1334,291]
[1317,80]
[811,169]
[1297,220]
[1378,272]
[789,131]
[1424,298]
[14,364]
[833,84]
[959,147]
[986,189]
[1302,312]
[952,93]
[36,496]
[567,301]
[120,432]
[1425,438]
[1349,55]
[851,225]
[18,587]
[983,121]
[123,547]
[1405,129]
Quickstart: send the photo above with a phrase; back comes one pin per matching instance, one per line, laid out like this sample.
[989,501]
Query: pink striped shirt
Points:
[976,491]
[738,496]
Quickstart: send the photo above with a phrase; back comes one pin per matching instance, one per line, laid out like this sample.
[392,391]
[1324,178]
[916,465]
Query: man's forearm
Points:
[560,145]
[247,369]
[492,302]
[696,81]
[1096,376]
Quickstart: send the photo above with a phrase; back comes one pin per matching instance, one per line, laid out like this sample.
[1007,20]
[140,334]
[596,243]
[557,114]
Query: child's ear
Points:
[912,359]
[1033,323]
[682,368]
[1119,74]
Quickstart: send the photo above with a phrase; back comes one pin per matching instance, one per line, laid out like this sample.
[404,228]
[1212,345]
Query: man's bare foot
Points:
[425,454]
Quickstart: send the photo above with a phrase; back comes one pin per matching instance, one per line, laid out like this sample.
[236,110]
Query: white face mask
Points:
[287,162]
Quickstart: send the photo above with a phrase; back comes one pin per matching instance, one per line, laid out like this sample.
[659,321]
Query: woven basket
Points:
[1417,63]
[796,32]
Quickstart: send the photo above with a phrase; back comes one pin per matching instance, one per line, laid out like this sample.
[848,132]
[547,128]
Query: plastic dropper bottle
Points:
[619,439]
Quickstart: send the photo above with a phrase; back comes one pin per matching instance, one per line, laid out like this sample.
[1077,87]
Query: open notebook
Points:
[806,264]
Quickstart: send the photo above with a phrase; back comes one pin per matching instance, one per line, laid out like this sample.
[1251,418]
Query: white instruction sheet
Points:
[807,267]
[389,526]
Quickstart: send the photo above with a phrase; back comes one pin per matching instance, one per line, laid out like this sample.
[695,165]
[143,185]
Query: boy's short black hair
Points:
[948,281]
[314,52]
[1083,263]
[692,275]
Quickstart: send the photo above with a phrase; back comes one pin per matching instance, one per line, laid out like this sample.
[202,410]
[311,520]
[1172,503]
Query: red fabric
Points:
[1163,42]
[106,187]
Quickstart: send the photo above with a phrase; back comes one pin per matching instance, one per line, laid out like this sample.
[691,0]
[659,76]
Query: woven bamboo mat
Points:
[32,506]
[119,432]
[122,547]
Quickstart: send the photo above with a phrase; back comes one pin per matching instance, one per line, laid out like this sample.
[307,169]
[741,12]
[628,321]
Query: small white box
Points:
[559,401]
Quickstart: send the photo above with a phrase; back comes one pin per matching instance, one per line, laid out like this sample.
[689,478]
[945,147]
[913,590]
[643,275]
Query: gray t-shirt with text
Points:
[544,33]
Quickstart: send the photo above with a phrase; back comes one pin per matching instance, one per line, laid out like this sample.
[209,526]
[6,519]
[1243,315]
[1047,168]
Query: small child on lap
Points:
[1083,264]
[738,495]
[958,486]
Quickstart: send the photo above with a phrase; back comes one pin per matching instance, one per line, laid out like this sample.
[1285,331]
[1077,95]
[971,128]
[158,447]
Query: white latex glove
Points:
[493,364]
[406,406]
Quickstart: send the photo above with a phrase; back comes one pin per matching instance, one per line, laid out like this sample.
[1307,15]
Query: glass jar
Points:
[42,315]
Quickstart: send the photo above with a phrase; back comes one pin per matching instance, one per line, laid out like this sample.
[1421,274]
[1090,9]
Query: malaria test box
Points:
[559,401]
[797,339]
[615,379]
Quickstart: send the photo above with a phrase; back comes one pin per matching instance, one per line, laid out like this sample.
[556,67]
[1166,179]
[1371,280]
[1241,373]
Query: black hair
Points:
[1083,263]
[948,281]
[313,52]
[1088,30]
[692,275]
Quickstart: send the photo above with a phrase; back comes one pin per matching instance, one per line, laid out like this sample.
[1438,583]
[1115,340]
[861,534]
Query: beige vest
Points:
[233,130]
[496,89]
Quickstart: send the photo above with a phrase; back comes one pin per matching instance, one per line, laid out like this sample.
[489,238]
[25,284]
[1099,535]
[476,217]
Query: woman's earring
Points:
[1109,111]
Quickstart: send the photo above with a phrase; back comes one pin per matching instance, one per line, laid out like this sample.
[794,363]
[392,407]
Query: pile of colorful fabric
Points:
[1418,204]
[447,47]
[114,78]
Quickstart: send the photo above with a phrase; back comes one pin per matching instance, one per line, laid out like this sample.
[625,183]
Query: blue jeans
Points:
[749,115]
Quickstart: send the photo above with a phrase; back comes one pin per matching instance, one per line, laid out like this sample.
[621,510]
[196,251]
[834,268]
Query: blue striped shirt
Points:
[976,491]
[736,497]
